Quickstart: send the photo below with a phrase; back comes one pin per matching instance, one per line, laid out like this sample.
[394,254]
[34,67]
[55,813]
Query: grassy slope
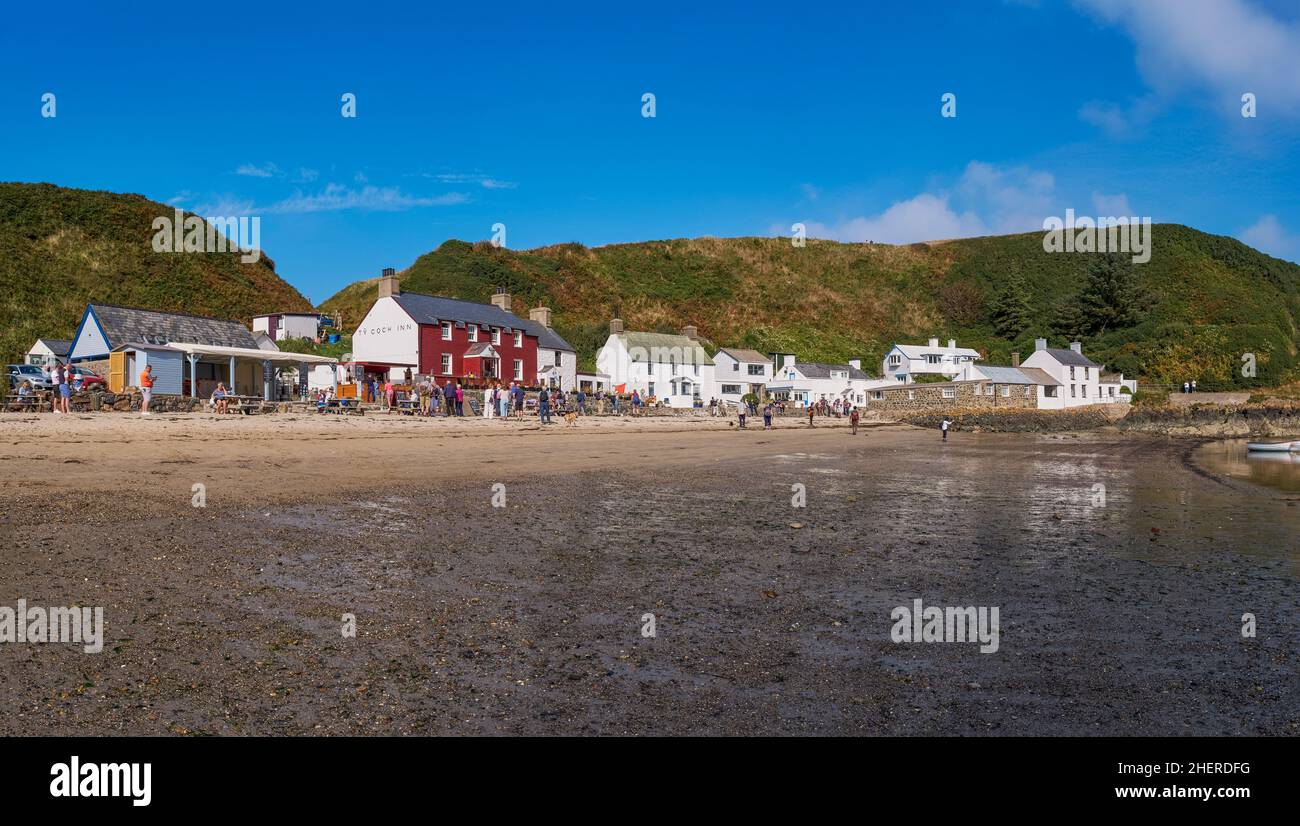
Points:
[1215,298]
[63,248]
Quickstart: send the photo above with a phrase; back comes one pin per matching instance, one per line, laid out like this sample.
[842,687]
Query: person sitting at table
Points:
[219,401]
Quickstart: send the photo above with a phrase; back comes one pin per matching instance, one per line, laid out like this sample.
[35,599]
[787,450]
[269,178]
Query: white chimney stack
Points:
[1076,347]
[856,364]
[1040,344]
[934,342]
[952,344]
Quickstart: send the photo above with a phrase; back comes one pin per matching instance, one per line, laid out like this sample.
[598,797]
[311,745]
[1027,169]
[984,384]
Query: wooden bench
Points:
[32,402]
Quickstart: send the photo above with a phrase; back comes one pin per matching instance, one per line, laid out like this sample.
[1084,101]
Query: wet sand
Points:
[1120,616]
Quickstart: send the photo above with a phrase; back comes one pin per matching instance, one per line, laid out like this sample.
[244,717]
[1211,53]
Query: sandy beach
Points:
[1119,615]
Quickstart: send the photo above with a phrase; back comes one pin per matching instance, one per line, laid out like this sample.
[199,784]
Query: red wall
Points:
[432,347]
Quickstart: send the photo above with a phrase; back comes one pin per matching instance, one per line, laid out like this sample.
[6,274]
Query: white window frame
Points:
[496,336]
[472,331]
[519,369]
[446,331]
[950,392]
[519,338]
[446,364]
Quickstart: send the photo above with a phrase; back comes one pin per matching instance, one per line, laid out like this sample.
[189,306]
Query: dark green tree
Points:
[1011,312]
[1111,298]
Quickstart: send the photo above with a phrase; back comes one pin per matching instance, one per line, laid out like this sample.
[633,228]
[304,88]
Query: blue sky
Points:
[766,115]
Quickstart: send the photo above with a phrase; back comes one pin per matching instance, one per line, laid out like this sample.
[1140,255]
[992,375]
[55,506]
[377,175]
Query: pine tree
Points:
[1011,312]
[1111,298]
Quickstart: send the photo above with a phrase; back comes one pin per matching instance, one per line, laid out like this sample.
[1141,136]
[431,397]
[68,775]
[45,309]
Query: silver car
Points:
[34,373]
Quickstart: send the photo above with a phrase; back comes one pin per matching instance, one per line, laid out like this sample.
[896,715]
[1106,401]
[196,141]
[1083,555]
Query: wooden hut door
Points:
[117,372]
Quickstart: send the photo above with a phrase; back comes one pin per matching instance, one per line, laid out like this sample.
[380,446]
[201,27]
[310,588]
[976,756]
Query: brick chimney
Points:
[691,332]
[542,315]
[388,284]
[501,299]
[1015,359]
[615,326]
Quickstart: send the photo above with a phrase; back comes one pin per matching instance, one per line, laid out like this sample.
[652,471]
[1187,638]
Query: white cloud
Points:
[1112,206]
[337,197]
[1226,46]
[1268,235]
[268,170]
[226,206]
[985,200]
[473,178]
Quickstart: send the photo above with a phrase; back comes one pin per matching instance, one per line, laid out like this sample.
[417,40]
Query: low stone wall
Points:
[1019,421]
[97,401]
[922,397]
[1275,418]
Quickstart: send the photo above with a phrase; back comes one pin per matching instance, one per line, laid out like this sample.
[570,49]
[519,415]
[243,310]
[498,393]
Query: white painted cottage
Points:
[807,382]
[737,372]
[1080,379]
[903,361]
[672,368]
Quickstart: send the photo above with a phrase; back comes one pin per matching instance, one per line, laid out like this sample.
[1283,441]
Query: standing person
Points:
[767,416]
[1185,387]
[740,413]
[582,402]
[146,389]
[65,391]
[1193,385]
[449,399]
[460,399]
[489,401]
[544,406]
[811,410]
[503,402]
[519,401]
[944,425]
[853,420]
[390,394]
[636,402]
[408,376]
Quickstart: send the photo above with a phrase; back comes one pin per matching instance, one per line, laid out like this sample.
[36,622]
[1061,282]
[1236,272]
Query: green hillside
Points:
[1199,304]
[61,249]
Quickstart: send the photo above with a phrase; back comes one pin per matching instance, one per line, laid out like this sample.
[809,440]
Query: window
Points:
[911,395]
[949,393]
[472,330]
[757,370]
[839,374]
[446,363]
[735,367]
[1006,391]
[1085,374]
[731,389]
[933,359]
[988,390]
[446,331]
[1072,371]
[1072,393]
[557,358]
[895,359]
[496,335]
[519,369]
[519,338]
[1050,391]
[877,395]
[652,389]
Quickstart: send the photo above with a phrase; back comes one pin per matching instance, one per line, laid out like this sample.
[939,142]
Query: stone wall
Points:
[921,397]
[1271,419]
[1009,420]
[103,401]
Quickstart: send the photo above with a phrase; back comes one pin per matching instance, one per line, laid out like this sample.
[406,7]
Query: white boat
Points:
[1272,447]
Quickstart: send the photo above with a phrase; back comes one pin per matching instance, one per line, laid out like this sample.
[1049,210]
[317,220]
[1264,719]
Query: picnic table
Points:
[340,406]
[241,404]
[31,402]
[408,407]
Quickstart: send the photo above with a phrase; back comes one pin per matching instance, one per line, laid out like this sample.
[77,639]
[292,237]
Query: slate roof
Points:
[916,351]
[666,341]
[819,370]
[128,325]
[1071,358]
[433,309]
[479,349]
[58,346]
[1016,375]
[746,356]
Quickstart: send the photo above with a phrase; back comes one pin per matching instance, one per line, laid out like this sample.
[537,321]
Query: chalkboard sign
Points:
[473,406]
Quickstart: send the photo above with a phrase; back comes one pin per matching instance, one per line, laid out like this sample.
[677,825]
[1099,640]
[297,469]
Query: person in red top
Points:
[146,388]
[853,420]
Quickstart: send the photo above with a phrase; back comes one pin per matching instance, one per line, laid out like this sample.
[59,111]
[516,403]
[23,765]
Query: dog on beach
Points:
[571,419]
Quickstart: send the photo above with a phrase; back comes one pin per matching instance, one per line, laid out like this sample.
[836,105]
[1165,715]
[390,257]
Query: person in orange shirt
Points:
[146,388]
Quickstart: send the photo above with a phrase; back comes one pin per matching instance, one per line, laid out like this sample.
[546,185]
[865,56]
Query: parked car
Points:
[19,373]
[88,378]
